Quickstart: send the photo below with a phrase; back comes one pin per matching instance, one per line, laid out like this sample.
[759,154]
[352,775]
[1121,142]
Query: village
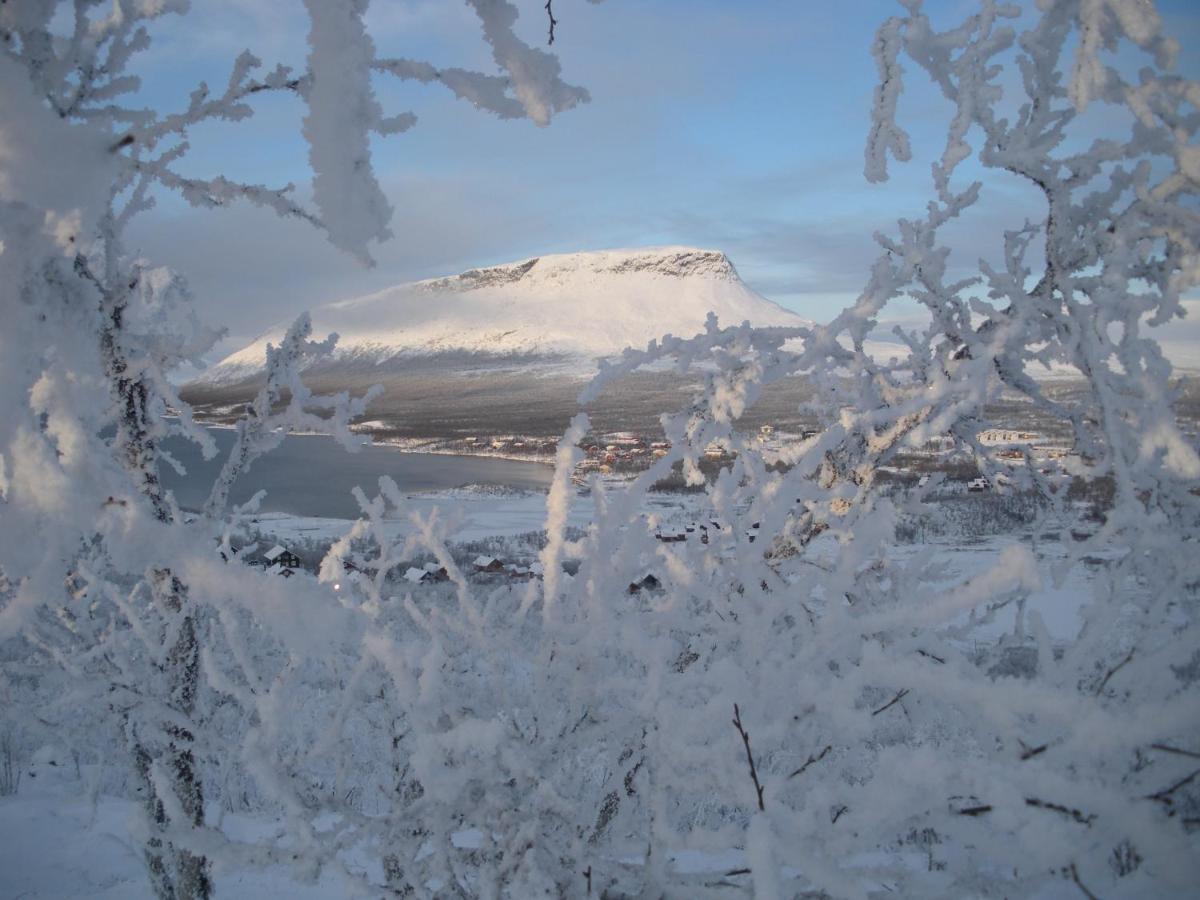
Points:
[940,469]
[623,453]
[482,568]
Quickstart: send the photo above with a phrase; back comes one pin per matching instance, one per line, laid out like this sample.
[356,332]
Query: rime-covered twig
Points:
[262,427]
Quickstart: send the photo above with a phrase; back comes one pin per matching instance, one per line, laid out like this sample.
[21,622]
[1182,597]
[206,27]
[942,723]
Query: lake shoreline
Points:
[402,445]
[316,477]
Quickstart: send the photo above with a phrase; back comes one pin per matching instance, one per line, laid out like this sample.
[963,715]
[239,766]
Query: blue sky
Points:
[733,125]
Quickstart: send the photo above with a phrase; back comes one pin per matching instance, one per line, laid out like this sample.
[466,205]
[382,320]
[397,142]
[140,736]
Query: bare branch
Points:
[1166,748]
[1164,796]
[553,21]
[1113,671]
[1081,817]
[899,696]
[1079,884]
[1028,752]
[975,810]
[737,723]
[812,759]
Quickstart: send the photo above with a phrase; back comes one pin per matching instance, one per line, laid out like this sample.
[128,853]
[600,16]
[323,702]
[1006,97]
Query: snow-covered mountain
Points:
[564,310]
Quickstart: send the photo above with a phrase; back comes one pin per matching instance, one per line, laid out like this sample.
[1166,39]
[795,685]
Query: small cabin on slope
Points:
[430,573]
[282,557]
[488,564]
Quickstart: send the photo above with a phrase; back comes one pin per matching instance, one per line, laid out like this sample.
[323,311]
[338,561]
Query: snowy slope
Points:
[571,308]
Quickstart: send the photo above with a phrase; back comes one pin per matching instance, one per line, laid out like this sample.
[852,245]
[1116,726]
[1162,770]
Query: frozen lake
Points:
[312,475]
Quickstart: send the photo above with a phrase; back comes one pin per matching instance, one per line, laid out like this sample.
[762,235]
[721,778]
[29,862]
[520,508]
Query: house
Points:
[430,573]
[279,556]
[1006,436]
[435,572]
[488,564]
[671,537]
[647,582]
[978,485]
[413,575]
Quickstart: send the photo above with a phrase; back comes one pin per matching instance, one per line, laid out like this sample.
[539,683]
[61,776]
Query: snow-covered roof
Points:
[483,561]
[414,575]
[274,552]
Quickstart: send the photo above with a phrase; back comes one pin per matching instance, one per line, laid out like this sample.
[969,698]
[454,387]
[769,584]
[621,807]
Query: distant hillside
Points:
[505,348]
[565,310]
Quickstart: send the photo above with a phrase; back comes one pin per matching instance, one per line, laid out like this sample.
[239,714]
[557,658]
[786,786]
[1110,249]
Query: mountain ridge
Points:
[562,311]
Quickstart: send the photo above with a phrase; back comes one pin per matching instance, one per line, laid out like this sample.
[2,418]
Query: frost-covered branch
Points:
[263,427]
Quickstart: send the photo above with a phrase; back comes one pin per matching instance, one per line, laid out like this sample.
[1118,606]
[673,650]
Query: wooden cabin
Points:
[282,557]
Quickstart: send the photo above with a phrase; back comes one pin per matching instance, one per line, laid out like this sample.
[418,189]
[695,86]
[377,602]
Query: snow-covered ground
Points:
[60,838]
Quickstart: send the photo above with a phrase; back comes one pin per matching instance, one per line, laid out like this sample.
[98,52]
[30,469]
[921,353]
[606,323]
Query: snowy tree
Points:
[864,727]
[91,333]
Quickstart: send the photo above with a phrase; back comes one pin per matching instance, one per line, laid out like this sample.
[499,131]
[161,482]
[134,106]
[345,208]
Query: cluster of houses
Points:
[511,444]
[622,447]
[996,436]
[491,565]
[703,530]
[630,451]
[278,560]
[433,572]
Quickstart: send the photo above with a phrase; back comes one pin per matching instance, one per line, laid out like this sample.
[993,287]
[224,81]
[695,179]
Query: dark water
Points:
[312,475]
